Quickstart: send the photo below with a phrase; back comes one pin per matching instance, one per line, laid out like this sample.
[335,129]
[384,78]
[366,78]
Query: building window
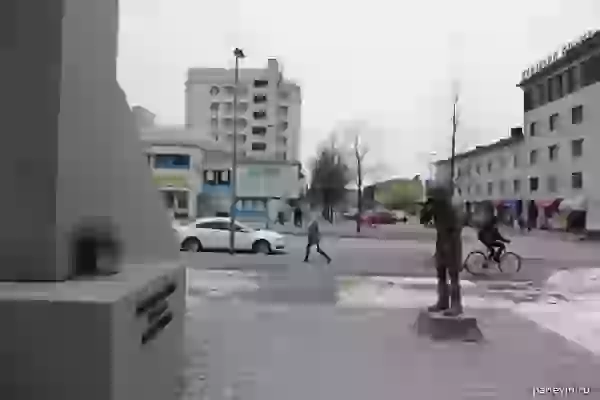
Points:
[549,89]
[176,200]
[541,91]
[572,81]
[558,86]
[502,186]
[553,152]
[501,162]
[516,161]
[259,130]
[172,161]
[283,126]
[489,166]
[259,114]
[577,148]
[534,184]
[533,157]
[259,146]
[528,103]
[261,83]
[590,71]
[241,138]
[478,169]
[517,186]
[214,91]
[223,177]
[260,98]
[551,183]
[532,127]
[477,189]
[577,115]
[577,180]
[490,188]
[210,178]
[553,122]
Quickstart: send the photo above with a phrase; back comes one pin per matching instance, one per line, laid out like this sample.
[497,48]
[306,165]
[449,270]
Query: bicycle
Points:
[478,262]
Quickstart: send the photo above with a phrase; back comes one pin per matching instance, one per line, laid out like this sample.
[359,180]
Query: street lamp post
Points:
[453,154]
[238,54]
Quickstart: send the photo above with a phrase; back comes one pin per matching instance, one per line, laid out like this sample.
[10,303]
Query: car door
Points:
[220,235]
[206,233]
[244,237]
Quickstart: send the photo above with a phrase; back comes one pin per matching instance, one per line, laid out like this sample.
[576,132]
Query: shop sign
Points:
[174,181]
[557,55]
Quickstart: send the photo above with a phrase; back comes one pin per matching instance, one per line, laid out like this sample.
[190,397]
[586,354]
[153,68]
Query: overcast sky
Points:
[390,63]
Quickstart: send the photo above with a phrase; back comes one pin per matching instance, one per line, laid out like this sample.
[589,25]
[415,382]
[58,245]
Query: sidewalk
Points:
[576,315]
[272,352]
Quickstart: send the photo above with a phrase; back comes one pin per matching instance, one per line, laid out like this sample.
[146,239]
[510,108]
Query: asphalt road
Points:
[409,257]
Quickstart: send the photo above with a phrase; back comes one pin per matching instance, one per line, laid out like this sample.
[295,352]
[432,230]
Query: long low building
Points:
[554,158]
[194,176]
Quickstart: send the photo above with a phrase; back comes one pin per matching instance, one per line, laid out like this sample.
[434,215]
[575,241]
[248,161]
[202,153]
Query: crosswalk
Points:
[578,321]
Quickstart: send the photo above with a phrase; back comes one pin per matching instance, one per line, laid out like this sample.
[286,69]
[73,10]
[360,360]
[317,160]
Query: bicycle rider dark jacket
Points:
[489,234]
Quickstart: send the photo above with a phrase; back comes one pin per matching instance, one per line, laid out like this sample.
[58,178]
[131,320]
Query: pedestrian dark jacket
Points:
[489,234]
[314,235]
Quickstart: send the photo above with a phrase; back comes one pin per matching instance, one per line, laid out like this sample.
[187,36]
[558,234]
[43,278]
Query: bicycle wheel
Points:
[510,263]
[475,263]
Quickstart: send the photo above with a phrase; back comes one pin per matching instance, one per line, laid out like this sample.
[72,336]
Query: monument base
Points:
[440,327]
[114,337]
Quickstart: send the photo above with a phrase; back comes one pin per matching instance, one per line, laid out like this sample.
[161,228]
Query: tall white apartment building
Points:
[268,111]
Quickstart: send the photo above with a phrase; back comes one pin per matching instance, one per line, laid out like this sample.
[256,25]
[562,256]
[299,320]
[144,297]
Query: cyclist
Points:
[490,236]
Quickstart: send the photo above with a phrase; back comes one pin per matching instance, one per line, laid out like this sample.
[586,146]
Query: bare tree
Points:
[356,148]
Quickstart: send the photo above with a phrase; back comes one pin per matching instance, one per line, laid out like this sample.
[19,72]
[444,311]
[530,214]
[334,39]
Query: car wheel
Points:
[192,245]
[261,247]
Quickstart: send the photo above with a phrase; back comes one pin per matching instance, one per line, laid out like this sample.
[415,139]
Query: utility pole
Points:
[237,53]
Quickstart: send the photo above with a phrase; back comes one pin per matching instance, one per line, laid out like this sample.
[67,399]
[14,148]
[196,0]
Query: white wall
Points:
[199,114]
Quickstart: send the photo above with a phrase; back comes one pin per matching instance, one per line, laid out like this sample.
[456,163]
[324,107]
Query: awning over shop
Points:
[552,203]
[505,203]
[574,204]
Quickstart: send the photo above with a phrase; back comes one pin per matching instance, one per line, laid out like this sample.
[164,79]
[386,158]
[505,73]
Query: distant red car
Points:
[379,218]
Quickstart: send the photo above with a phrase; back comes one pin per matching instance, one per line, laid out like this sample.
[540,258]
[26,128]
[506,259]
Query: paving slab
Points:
[263,351]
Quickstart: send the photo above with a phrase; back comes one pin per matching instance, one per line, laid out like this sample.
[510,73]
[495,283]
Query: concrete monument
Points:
[91,292]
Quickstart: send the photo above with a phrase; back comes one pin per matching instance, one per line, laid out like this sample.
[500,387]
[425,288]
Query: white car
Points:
[213,234]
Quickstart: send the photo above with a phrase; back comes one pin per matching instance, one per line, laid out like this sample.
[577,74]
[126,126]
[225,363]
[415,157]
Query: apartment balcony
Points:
[259,115]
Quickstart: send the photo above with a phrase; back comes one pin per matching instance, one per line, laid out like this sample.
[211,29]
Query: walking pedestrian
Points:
[298,217]
[314,239]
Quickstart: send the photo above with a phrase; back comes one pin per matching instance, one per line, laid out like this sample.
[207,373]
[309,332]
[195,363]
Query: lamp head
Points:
[238,53]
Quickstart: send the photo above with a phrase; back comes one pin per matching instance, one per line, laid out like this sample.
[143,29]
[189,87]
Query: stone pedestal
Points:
[440,327]
[71,155]
[107,338]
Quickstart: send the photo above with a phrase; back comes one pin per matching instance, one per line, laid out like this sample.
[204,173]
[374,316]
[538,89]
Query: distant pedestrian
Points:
[298,217]
[314,239]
